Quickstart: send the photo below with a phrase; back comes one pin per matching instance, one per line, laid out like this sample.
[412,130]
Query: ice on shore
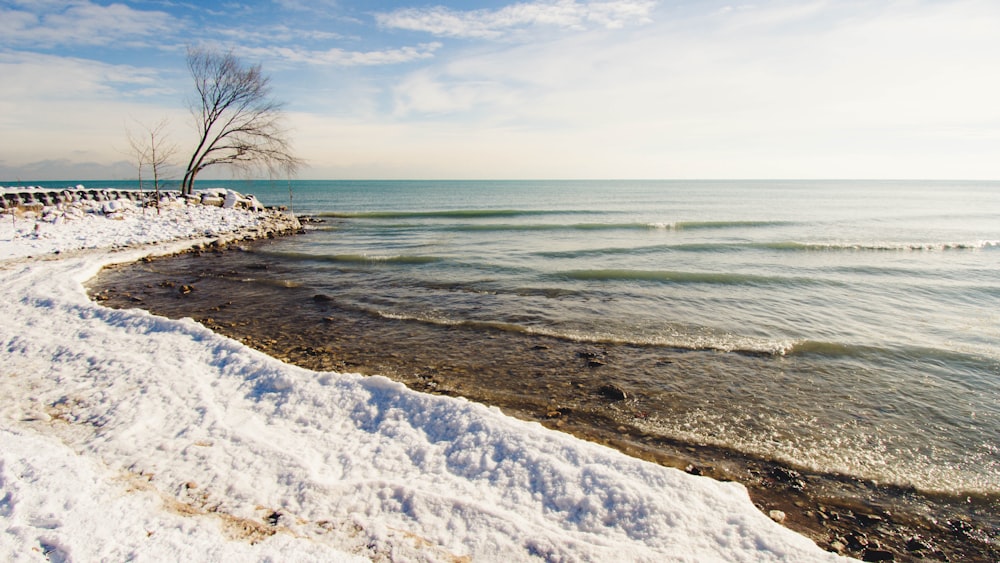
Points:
[129,436]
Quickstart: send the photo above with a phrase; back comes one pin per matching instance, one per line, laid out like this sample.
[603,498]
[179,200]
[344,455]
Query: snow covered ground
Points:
[129,436]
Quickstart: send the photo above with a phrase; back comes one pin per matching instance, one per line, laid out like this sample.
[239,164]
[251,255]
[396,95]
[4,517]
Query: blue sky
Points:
[529,89]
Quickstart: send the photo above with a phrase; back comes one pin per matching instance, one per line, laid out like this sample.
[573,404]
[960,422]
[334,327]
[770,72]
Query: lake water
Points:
[875,304]
[846,327]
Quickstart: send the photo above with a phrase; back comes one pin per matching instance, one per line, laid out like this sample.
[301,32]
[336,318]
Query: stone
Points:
[857,541]
[916,543]
[613,392]
[869,519]
[789,477]
[777,515]
[877,555]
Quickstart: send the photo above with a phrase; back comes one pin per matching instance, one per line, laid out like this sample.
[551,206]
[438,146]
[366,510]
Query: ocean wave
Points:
[777,246]
[728,343]
[632,226]
[453,214]
[676,277]
[405,259]
[879,246]
[552,227]
[475,214]
[690,225]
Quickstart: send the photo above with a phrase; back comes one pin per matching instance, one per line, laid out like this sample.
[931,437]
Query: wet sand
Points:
[579,388]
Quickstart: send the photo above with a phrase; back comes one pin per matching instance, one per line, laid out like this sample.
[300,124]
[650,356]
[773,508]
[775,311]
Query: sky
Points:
[531,89]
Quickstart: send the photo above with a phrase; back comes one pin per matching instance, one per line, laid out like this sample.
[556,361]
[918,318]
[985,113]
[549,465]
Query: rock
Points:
[837,546]
[869,519]
[556,412]
[916,543]
[185,289]
[613,392]
[692,469]
[789,477]
[877,555]
[857,541]
[321,298]
[777,515]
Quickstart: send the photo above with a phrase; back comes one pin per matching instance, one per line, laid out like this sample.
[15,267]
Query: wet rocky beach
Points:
[591,390]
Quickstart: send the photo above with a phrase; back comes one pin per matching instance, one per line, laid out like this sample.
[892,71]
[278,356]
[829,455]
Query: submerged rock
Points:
[613,392]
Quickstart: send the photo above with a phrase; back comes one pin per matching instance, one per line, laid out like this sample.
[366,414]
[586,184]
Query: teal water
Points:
[856,323]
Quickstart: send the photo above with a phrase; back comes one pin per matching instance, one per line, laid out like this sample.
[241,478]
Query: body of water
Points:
[876,305]
[846,327]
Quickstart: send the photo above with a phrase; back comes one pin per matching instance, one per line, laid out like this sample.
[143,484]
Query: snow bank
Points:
[86,225]
[129,436]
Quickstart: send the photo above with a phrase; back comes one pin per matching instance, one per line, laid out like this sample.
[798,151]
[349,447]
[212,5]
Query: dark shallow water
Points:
[649,400]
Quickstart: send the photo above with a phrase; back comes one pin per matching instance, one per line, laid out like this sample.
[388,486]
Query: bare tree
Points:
[154,150]
[140,152]
[238,123]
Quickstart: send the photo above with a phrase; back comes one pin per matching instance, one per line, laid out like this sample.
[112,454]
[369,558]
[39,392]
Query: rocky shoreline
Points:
[844,515]
[46,222]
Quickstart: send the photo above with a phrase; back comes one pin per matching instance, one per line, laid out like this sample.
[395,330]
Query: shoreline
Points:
[181,436]
[865,526]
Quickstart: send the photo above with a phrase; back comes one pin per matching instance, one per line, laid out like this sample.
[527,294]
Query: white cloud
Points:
[276,34]
[81,22]
[424,92]
[491,24]
[35,76]
[345,58]
[64,108]
[778,90]
[775,89]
